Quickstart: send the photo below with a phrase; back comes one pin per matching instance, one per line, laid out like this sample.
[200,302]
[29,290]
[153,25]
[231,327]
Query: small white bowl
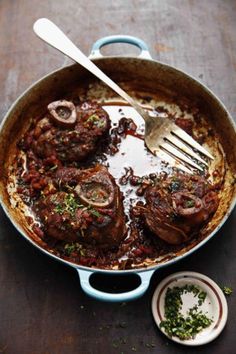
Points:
[215,305]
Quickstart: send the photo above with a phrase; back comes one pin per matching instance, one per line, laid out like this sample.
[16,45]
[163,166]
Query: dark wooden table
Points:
[42,307]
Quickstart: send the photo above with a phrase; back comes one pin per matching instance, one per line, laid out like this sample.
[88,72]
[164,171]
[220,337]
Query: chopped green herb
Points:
[69,248]
[175,323]
[59,209]
[69,204]
[189,203]
[74,247]
[227,290]
[96,120]
[94,212]
[201,297]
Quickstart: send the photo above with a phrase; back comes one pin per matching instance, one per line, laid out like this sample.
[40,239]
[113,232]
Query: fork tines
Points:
[177,149]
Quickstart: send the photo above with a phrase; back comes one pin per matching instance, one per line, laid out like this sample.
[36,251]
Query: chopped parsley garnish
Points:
[70,204]
[94,212]
[95,120]
[73,247]
[59,209]
[175,324]
[227,290]
[189,203]
[69,248]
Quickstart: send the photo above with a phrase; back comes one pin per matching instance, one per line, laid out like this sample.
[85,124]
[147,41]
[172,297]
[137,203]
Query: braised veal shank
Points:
[178,206]
[87,208]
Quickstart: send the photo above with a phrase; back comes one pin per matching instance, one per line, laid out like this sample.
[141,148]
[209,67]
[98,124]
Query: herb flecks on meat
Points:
[101,224]
[81,214]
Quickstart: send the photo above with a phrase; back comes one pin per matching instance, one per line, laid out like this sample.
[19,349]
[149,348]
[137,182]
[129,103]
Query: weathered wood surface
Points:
[42,307]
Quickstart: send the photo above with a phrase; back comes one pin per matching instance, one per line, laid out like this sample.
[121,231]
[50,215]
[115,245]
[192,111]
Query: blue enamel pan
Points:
[143,71]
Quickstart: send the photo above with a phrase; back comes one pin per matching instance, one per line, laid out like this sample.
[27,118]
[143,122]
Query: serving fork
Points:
[162,136]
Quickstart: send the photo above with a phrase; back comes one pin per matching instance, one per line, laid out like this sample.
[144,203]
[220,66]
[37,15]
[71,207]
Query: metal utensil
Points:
[162,137]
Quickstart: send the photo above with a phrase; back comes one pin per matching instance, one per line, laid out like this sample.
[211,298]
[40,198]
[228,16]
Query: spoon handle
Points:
[51,34]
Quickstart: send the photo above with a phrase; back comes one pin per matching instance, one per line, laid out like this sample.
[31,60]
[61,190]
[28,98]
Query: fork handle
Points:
[51,34]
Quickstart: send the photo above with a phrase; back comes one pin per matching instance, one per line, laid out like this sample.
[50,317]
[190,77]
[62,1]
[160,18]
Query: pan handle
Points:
[85,275]
[96,53]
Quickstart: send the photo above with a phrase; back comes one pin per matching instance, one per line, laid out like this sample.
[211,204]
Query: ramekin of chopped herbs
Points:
[189,308]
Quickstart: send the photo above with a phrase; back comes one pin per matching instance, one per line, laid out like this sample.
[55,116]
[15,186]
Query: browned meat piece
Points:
[68,140]
[67,176]
[91,212]
[178,206]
